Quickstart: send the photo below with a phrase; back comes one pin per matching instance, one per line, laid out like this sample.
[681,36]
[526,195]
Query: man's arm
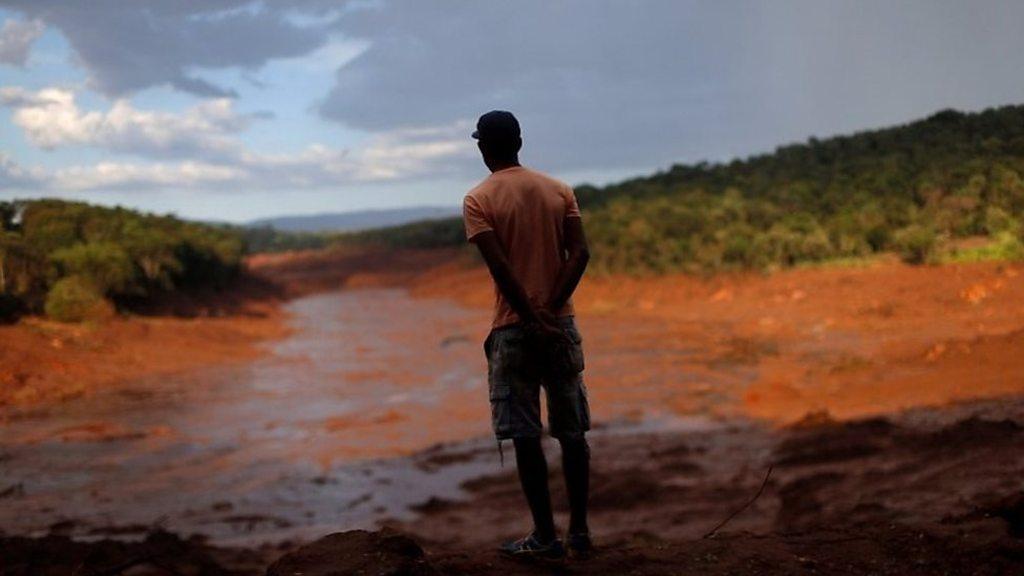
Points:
[578,254]
[504,278]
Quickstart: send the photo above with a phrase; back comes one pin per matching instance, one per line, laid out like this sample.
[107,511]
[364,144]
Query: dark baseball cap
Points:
[497,125]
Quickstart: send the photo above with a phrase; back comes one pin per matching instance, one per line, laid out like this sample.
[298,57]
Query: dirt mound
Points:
[1010,509]
[971,431]
[827,441]
[616,492]
[893,550]
[160,553]
[354,552]
[835,442]
[855,498]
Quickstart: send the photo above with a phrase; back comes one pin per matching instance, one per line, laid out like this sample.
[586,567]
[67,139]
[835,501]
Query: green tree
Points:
[104,264]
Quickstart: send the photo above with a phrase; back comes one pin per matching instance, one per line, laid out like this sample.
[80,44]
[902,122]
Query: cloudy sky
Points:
[234,109]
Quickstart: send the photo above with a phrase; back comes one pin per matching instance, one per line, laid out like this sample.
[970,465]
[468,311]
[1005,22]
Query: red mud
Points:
[850,342]
[815,371]
[926,492]
[42,362]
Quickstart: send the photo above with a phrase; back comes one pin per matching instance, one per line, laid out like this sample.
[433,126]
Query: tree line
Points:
[75,261]
[914,189]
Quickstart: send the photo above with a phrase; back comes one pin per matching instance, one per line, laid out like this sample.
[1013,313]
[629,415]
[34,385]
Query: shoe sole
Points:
[528,557]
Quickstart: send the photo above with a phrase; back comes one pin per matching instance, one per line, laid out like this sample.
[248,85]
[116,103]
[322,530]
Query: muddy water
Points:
[361,413]
[292,445]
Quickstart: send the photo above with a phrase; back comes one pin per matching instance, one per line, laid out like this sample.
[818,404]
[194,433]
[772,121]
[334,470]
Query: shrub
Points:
[104,264]
[75,299]
[998,220]
[916,244]
[1005,247]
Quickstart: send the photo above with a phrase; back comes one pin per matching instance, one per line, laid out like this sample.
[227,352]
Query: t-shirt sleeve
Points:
[572,209]
[474,218]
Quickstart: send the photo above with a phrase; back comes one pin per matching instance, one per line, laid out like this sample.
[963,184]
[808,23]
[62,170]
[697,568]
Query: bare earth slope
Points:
[849,341]
[887,399]
[923,493]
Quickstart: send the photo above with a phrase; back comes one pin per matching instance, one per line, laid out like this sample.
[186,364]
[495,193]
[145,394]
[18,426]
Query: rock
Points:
[356,552]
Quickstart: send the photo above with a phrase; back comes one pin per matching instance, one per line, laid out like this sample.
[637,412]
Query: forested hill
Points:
[913,189]
[916,189]
[907,188]
[76,261]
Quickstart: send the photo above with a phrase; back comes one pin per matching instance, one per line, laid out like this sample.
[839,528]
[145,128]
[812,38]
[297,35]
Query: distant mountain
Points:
[357,220]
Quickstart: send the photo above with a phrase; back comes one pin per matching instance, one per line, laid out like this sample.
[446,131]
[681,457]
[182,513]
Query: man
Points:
[527,226]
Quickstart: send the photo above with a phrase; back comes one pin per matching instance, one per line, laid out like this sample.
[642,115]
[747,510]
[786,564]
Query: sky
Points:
[234,110]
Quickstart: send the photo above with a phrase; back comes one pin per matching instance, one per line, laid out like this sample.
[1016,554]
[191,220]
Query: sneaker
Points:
[533,549]
[579,545]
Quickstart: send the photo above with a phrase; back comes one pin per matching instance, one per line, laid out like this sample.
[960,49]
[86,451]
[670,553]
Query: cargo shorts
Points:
[515,377]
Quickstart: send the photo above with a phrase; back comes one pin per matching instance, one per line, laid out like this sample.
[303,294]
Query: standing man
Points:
[527,226]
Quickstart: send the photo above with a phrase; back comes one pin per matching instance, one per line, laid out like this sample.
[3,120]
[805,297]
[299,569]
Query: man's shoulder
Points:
[547,179]
[482,188]
[528,177]
[521,177]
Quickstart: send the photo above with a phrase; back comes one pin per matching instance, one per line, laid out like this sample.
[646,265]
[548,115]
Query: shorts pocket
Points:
[501,410]
[507,351]
[575,348]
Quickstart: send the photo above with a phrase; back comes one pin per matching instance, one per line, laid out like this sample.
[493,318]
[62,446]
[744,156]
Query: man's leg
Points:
[569,418]
[576,466]
[515,412]
[533,476]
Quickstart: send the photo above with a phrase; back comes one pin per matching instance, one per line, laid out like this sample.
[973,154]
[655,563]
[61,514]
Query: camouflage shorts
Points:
[515,377]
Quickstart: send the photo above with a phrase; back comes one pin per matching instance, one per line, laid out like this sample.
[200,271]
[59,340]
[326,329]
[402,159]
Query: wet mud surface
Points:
[921,493]
[372,412]
[292,445]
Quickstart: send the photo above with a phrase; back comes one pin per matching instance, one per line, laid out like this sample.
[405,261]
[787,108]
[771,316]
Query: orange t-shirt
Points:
[526,210]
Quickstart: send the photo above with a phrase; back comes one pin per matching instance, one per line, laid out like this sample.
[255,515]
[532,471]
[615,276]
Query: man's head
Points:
[498,137]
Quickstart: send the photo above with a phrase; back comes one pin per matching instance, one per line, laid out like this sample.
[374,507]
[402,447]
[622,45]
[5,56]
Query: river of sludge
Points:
[375,402]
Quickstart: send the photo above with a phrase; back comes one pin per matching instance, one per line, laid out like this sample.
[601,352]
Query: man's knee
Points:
[576,448]
[528,444]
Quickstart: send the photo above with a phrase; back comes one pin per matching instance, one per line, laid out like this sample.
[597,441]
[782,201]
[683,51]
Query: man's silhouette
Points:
[528,229]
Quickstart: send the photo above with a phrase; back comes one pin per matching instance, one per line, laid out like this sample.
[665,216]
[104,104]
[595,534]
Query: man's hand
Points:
[546,327]
[546,315]
[577,255]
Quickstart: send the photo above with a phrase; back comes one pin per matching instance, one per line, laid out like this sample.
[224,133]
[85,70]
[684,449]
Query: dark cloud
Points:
[599,85]
[201,87]
[16,40]
[128,46]
[640,84]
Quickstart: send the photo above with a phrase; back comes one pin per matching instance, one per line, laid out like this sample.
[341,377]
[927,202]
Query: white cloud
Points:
[16,39]
[51,118]
[385,159]
[113,176]
[201,148]
[120,176]
[399,152]
[14,175]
